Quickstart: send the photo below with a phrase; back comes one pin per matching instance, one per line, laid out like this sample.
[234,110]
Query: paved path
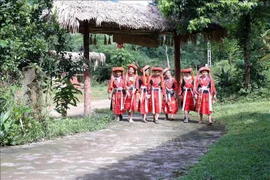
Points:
[122,151]
[76,111]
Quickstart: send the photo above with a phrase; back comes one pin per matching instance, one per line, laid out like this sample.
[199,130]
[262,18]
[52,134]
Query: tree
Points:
[27,37]
[238,15]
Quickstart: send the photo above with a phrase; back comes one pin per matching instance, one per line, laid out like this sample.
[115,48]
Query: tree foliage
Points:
[244,20]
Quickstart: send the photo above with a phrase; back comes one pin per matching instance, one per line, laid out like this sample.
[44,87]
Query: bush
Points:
[16,122]
[18,126]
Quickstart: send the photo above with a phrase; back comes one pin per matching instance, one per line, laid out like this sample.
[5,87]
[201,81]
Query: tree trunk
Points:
[87,81]
[166,52]
[177,60]
[246,49]
[32,92]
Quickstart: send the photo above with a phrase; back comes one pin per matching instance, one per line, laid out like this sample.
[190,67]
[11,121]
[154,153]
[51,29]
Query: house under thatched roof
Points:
[133,24]
[127,22]
[109,17]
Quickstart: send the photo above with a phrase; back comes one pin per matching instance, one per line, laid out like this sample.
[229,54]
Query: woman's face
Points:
[205,73]
[131,70]
[118,73]
[168,74]
[156,73]
[186,74]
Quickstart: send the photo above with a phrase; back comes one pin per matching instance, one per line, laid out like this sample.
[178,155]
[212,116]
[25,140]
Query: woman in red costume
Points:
[131,103]
[156,92]
[205,90]
[117,86]
[186,92]
[143,87]
[171,104]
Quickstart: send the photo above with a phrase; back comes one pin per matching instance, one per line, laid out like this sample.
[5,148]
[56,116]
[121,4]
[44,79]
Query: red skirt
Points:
[156,102]
[204,104]
[188,102]
[143,103]
[117,102]
[171,106]
[131,103]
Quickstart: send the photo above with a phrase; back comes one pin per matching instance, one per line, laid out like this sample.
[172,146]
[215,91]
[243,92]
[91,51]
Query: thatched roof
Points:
[109,17]
[129,23]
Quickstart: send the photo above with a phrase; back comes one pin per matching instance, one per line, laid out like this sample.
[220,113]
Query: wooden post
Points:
[177,60]
[87,82]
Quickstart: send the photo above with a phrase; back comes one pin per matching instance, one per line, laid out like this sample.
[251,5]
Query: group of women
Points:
[156,91]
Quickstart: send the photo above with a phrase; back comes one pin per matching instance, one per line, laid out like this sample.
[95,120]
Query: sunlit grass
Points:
[244,152]
[98,92]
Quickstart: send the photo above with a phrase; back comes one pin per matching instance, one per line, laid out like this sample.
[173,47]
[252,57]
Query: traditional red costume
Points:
[117,85]
[156,92]
[131,101]
[186,91]
[143,86]
[204,87]
[170,104]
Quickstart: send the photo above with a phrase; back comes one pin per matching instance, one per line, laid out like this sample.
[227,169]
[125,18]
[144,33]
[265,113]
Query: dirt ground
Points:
[122,151]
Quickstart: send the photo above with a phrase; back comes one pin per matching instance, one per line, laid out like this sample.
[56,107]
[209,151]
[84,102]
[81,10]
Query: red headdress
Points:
[188,70]
[133,66]
[143,69]
[165,70]
[204,69]
[157,69]
[115,69]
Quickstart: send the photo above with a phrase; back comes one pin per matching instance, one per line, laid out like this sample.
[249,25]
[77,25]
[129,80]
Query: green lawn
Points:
[98,92]
[244,152]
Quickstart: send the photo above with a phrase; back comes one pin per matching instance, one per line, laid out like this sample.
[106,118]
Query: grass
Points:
[53,128]
[98,92]
[68,126]
[244,152]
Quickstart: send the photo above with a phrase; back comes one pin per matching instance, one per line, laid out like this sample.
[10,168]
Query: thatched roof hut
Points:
[109,17]
[106,17]
[134,24]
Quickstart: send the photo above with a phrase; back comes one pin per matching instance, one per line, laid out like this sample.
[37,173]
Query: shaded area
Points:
[243,153]
[167,160]
[123,151]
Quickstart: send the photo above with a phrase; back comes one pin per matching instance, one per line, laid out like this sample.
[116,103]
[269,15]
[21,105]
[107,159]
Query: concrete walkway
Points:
[123,151]
[76,111]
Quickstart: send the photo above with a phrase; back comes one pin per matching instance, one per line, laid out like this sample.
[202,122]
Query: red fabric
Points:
[202,105]
[155,102]
[156,82]
[187,88]
[117,96]
[189,70]
[203,102]
[118,69]
[120,45]
[143,101]
[189,103]
[144,68]
[170,106]
[157,69]
[131,102]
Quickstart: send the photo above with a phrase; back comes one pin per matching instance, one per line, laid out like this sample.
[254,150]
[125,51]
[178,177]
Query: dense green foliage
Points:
[245,21]
[27,36]
[243,153]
